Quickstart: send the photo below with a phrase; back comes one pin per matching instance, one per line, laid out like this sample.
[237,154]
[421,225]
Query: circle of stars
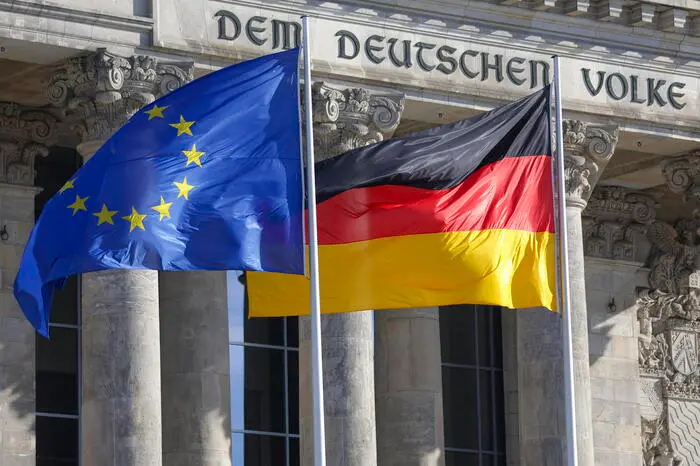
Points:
[162,210]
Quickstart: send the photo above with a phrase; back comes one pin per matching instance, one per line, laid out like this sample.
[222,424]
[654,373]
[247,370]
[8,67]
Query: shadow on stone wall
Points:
[599,342]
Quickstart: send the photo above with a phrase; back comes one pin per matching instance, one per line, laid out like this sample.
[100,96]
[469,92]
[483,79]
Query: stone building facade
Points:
[148,368]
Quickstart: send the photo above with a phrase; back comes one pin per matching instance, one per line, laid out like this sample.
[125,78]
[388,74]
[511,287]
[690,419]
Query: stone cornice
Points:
[95,17]
[667,16]
[544,22]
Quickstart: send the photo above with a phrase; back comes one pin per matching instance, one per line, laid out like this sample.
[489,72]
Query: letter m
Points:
[282,31]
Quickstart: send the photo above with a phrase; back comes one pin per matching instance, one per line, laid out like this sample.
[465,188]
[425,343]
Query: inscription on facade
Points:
[637,90]
[431,57]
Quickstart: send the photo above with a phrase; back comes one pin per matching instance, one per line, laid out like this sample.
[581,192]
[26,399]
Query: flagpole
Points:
[316,360]
[565,294]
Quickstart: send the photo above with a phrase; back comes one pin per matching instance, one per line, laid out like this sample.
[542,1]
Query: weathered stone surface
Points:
[121,408]
[343,120]
[588,149]
[408,382]
[348,382]
[195,369]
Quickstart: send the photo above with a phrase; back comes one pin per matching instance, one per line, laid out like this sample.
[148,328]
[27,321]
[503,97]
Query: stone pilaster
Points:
[588,148]
[24,135]
[343,120]
[121,385]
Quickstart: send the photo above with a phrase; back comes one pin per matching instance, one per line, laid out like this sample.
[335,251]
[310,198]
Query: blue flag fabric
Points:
[208,177]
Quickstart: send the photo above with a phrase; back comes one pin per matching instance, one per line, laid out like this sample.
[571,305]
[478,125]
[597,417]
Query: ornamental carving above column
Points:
[99,92]
[350,118]
[615,224]
[683,175]
[25,133]
[588,148]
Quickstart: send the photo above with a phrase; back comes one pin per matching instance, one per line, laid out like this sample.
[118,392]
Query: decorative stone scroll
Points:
[351,118]
[615,224]
[25,134]
[99,92]
[683,175]
[588,148]
[669,346]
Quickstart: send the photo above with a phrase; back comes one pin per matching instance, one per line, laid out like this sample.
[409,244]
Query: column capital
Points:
[25,134]
[100,91]
[588,148]
[345,119]
[683,175]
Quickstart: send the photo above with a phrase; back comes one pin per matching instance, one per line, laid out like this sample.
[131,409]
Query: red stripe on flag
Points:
[514,193]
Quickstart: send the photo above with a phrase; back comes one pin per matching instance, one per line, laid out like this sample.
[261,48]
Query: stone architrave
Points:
[25,133]
[121,377]
[343,120]
[588,149]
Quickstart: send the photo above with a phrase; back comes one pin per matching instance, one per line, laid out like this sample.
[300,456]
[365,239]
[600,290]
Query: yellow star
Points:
[183,127]
[79,204]
[69,184]
[136,219]
[163,208]
[105,215]
[155,112]
[193,156]
[184,188]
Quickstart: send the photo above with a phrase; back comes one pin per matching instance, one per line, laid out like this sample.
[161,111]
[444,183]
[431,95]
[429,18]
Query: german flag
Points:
[458,214]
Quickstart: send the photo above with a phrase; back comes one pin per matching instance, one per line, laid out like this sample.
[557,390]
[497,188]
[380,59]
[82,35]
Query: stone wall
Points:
[610,293]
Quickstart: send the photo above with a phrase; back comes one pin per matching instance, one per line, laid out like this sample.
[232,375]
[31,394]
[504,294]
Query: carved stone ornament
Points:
[101,91]
[669,349]
[588,148]
[655,444]
[351,118]
[683,175]
[25,134]
[615,224]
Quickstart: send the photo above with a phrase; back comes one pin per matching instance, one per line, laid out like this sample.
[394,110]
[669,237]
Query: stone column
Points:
[195,369]
[344,120]
[588,149]
[24,134]
[121,386]
[410,424]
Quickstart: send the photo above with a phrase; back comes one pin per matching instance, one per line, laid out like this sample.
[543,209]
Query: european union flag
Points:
[208,177]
